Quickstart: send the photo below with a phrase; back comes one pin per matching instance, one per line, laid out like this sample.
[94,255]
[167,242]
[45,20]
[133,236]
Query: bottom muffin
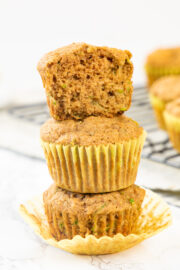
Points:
[172,119]
[70,214]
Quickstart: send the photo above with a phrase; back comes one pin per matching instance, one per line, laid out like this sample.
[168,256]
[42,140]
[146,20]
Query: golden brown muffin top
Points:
[67,52]
[164,58]
[173,108]
[101,203]
[166,88]
[91,131]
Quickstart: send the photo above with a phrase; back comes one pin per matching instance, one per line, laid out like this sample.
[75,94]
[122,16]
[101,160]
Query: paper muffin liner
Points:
[154,73]
[65,225]
[155,217]
[173,129]
[162,71]
[94,169]
[158,106]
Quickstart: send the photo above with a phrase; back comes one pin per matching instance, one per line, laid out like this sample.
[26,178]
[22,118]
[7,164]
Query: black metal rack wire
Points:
[157,146]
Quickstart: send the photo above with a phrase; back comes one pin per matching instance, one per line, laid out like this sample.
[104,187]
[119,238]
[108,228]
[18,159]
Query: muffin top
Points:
[91,131]
[173,108]
[101,203]
[166,88]
[69,51]
[164,58]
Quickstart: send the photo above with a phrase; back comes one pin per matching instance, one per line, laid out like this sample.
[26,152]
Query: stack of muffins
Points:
[92,149]
[163,73]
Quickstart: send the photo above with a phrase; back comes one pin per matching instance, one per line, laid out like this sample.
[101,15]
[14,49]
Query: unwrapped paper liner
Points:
[155,217]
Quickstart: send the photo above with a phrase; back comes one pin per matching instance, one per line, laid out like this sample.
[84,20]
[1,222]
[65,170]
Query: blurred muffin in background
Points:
[163,91]
[162,62]
[172,120]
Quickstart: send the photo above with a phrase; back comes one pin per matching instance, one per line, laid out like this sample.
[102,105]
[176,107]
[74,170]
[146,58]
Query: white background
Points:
[28,29]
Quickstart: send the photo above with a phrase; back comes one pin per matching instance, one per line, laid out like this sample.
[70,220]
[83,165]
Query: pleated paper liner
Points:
[154,73]
[158,107]
[173,129]
[94,169]
[155,217]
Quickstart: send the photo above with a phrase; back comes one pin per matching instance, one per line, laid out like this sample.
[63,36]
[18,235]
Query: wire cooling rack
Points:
[157,146]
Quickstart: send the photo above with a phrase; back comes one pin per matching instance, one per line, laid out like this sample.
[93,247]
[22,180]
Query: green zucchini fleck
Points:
[61,226]
[131,201]
[120,91]
[75,222]
[64,85]
[123,109]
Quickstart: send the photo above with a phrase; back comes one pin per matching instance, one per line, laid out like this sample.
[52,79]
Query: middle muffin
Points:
[95,155]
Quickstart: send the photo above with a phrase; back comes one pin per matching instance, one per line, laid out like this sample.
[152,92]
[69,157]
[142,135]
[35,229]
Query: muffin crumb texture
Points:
[83,80]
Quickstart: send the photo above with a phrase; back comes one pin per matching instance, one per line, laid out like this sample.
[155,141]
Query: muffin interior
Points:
[84,80]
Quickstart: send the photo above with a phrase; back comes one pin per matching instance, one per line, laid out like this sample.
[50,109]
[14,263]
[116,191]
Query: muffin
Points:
[172,120]
[155,216]
[162,62]
[83,80]
[163,91]
[95,155]
[70,214]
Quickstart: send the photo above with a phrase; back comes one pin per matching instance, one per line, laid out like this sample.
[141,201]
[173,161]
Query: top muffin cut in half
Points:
[83,80]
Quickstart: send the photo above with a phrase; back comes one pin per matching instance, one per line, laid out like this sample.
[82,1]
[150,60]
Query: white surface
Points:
[20,248]
[158,176]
